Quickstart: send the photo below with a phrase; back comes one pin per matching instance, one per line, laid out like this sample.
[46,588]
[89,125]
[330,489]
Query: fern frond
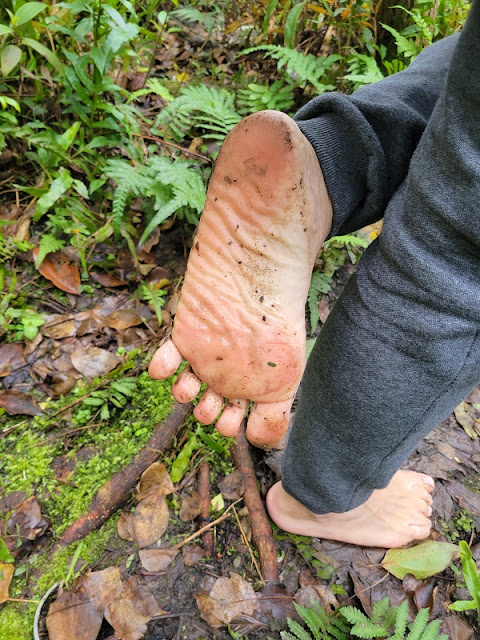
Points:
[431,631]
[380,608]
[320,285]
[48,244]
[130,181]
[200,107]
[303,67]
[153,86]
[401,620]
[298,630]
[418,625]
[315,618]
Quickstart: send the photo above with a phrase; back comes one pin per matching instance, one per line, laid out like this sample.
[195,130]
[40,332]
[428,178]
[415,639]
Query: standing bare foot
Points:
[391,517]
[240,321]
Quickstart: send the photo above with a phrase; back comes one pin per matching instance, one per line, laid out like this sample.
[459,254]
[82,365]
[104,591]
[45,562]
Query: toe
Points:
[422,530]
[268,423]
[428,482]
[231,418]
[209,407]
[165,362]
[187,387]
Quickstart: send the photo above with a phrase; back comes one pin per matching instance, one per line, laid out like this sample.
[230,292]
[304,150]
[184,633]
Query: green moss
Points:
[26,459]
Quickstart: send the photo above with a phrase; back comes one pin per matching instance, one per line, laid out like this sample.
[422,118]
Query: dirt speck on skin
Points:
[228,180]
[197,246]
[252,167]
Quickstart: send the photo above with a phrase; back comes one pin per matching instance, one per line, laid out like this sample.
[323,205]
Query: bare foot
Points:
[240,321]
[391,517]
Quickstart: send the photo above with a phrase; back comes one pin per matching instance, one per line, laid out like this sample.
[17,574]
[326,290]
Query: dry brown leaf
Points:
[156,560]
[228,599]
[232,486]
[93,361]
[73,618]
[123,319]
[192,554]
[191,506]
[11,358]
[457,629]
[100,588]
[59,326]
[107,279]
[150,520]
[11,500]
[129,614]
[6,575]
[57,268]
[16,403]
[468,417]
[125,526]
[62,383]
[26,521]
[155,480]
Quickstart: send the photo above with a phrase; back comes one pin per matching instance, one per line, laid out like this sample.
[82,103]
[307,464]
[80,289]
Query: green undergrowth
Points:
[16,618]
[26,457]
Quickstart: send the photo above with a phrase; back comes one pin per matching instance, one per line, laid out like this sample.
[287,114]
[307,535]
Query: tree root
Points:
[261,529]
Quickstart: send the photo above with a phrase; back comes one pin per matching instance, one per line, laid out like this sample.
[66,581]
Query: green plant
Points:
[332,256]
[116,394]
[204,109]
[300,68]
[256,97]
[154,297]
[472,580]
[167,186]
[350,622]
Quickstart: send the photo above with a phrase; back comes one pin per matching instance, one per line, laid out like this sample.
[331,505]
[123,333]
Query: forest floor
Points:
[138,520]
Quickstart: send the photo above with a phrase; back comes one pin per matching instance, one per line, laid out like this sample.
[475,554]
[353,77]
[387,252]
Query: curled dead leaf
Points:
[93,361]
[123,319]
[192,554]
[57,268]
[17,403]
[6,575]
[125,526]
[228,599]
[232,486]
[73,618]
[27,521]
[11,358]
[150,520]
[155,480]
[191,506]
[156,560]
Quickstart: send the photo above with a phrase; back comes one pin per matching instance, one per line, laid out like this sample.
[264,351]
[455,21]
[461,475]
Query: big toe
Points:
[165,362]
[268,423]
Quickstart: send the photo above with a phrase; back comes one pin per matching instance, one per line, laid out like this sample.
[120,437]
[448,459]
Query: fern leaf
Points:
[401,620]
[315,619]
[48,244]
[320,284]
[431,631]
[418,625]
[298,630]
[288,636]
[379,610]
[353,615]
[368,630]
[130,181]
[153,86]
[305,67]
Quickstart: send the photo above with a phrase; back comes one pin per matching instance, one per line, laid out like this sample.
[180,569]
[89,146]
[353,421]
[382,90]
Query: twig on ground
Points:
[204,492]
[116,491]
[208,526]
[261,529]
[244,537]
[176,146]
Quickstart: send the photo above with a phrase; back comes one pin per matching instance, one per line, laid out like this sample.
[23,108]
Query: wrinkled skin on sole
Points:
[240,320]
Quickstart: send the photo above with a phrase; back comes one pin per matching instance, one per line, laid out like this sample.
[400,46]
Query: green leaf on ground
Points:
[9,58]
[422,561]
[5,553]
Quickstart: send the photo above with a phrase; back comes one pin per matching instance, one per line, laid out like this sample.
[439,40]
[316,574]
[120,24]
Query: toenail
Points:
[429,480]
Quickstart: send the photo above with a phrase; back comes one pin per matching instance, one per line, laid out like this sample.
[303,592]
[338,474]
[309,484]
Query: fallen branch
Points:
[261,529]
[204,492]
[117,490]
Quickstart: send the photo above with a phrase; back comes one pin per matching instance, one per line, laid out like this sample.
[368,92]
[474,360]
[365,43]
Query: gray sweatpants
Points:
[401,347]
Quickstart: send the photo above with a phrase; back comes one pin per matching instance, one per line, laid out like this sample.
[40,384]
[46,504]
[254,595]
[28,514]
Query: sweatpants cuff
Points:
[350,156]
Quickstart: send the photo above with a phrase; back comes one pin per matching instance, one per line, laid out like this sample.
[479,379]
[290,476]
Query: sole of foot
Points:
[390,518]
[240,321]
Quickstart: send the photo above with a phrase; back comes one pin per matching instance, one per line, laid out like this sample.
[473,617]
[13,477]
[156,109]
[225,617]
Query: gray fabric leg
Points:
[402,346]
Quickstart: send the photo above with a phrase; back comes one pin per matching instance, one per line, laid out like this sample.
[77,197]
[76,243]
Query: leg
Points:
[240,321]
[402,347]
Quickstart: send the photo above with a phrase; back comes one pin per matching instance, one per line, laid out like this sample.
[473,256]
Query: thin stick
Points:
[172,144]
[254,560]
[208,526]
